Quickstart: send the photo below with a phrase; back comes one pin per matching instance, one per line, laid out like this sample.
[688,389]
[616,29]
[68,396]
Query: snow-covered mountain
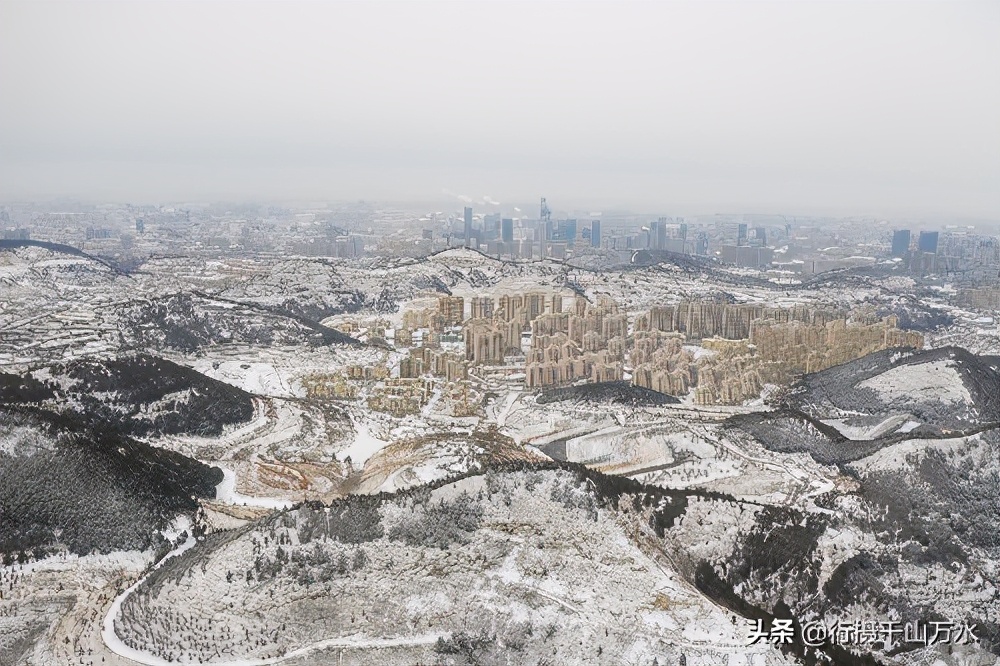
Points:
[82,487]
[253,416]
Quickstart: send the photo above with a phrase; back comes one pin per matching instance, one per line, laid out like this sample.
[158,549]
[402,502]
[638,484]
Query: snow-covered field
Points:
[258,378]
[937,380]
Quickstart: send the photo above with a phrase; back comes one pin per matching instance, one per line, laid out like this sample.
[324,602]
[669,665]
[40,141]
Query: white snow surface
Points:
[108,633]
[119,647]
[226,492]
[364,446]
[180,525]
[894,423]
[938,380]
[433,469]
[257,378]
[122,559]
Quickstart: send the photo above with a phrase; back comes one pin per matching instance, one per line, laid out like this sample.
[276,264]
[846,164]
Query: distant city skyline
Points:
[846,108]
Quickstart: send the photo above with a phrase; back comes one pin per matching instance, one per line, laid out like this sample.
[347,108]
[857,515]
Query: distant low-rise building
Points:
[746,256]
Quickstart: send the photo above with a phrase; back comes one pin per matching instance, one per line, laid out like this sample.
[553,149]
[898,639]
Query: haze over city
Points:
[678,107]
[499,333]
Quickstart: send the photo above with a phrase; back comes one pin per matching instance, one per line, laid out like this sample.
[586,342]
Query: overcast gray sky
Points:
[845,107]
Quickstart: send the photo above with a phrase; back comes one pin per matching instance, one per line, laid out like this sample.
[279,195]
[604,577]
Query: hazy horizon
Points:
[831,108]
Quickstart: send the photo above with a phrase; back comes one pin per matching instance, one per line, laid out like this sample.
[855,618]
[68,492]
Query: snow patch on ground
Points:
[938,380]
[119,647]
[121,559]
[895,457]
[256,378]
[180,525]
[699,352]
[434,469]
[109,634]
[364,446]
[867,432]
[226,492]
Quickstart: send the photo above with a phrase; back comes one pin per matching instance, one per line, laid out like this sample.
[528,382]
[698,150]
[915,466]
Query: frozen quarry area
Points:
[457,459]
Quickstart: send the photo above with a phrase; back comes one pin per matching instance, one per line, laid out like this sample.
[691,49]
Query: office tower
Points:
[745,256]
[661,234]
[928,242]
[140,226]
[741,234]
[491,226]
[900,242]
[468,226]
[595,233]
[568,232]
[507,230]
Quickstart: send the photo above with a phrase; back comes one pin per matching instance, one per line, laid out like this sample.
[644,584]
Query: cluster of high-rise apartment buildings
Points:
[724,352]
